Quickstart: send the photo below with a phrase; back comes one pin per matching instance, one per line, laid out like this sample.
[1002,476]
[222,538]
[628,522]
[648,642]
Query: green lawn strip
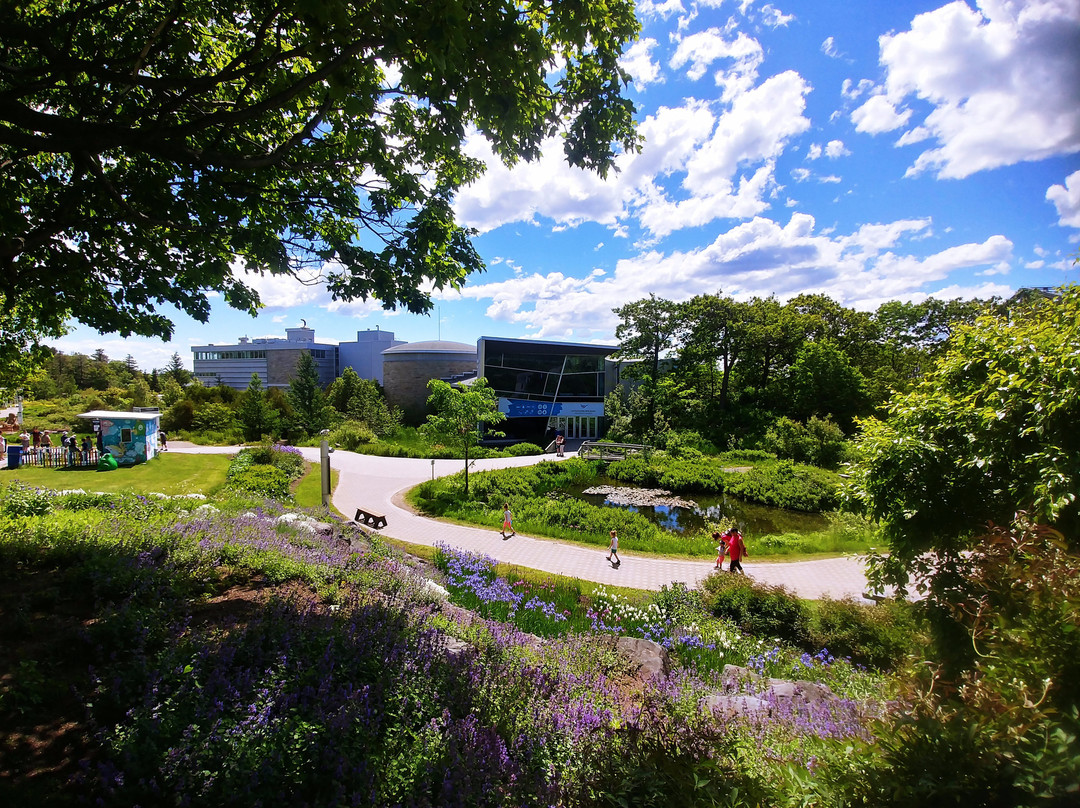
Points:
[168,473]
[307,491]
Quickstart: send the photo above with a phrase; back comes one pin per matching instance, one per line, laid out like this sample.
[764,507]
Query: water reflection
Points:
[751,518]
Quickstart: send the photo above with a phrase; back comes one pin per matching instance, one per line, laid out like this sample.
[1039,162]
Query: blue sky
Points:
[869,151]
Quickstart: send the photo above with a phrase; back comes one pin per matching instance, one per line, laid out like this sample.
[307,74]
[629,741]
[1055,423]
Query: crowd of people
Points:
[58,445]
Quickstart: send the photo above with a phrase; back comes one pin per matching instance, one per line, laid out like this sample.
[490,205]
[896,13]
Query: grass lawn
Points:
[308,490]
[168,473]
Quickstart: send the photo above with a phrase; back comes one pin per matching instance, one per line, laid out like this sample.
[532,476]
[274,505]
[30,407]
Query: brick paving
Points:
[378,484]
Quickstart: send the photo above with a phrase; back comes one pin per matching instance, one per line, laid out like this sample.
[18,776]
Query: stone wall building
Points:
[408,368]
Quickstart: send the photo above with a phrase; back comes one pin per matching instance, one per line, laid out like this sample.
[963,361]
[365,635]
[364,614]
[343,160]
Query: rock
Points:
[640,497]
[766,692]
[438,592]
[649,658]
[734,705]
[302,521]
[452,647]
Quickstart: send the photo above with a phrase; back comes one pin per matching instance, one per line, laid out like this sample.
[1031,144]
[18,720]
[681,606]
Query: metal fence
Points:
[58,457]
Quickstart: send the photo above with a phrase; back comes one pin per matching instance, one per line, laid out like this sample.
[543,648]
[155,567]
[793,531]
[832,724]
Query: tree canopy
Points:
[153,152]
[990,431]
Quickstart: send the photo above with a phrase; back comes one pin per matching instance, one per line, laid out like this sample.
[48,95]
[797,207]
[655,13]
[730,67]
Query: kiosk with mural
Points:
[130,437]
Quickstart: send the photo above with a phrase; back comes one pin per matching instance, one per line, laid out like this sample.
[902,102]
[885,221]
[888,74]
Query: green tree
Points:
[21,351]
[646,333]
[822,382]
[150,147]
[989,431]
[714,334]
[311,414]
[461,414]
[255,414]
[176,371]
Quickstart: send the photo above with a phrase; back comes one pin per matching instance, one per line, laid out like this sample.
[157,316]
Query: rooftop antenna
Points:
[303,323]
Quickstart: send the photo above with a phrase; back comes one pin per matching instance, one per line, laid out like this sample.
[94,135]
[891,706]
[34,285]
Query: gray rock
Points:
[734,705]
[647,657]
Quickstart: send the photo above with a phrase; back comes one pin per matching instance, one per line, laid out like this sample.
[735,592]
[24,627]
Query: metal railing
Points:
[610,451]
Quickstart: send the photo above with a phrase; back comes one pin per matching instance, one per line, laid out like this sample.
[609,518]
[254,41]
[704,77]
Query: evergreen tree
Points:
[311,414]
[256,415]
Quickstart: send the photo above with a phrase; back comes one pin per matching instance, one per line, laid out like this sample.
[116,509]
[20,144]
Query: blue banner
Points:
[520,408]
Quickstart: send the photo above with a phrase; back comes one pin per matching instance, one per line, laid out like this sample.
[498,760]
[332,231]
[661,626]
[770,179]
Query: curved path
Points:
[378,483]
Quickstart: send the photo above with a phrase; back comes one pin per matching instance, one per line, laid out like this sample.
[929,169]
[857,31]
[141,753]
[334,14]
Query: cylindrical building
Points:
[408,368]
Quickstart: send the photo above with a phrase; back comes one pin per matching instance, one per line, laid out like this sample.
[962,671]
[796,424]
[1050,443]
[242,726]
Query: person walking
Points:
[163,439]
[736,550]
[614,550]
[508,521]
[721,548]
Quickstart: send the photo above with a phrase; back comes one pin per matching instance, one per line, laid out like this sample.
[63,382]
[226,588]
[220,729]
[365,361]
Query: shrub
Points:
[23,500]
[879,635]
[788,485]
[765,611]
[214,417]
[523,449]
[819,441]
[352,435]
[261,480]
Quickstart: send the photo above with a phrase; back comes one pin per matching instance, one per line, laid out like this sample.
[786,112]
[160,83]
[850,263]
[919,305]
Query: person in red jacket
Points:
[736,550]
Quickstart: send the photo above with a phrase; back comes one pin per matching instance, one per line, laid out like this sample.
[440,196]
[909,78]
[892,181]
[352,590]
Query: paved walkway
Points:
[378,483]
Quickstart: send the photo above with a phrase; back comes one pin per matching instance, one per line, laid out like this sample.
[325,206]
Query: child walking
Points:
[508,521]
[614,551]
[721,548]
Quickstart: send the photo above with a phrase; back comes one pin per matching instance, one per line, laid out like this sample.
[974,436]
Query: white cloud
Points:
[1066,199]
[916,135]
[773,17]
[852,91]
[1003,83]
[755,258]
[879,114]
[833,149]
[702,49]
[828,47]
[800,174]
[700,162]
[638,62]
[836,148]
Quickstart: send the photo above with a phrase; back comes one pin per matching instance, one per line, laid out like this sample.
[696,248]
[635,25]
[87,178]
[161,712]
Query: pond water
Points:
[751,518]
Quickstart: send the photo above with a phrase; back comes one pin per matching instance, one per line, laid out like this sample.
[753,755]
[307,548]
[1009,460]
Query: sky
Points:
[869,151]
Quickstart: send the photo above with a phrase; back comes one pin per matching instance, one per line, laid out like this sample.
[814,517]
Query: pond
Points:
[751,518]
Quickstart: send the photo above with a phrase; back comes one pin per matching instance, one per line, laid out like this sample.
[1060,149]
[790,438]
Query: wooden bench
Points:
[371,518]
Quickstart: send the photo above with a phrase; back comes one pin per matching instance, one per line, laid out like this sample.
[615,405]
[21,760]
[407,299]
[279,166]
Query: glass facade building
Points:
[544,387]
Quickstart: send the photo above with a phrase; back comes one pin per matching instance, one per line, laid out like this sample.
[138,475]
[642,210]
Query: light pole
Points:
[324,458]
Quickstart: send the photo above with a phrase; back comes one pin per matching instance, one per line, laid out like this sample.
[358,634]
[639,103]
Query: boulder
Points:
[734,704]
[648,658]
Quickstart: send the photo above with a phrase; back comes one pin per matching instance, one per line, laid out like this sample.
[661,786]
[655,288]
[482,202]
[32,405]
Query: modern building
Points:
[365,355]
[271,358]
[409,367]
[545,387]
[131,437]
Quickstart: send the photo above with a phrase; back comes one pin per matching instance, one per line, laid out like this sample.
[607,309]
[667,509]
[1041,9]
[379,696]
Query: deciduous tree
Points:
[990,431]
[153,152]
[461,415]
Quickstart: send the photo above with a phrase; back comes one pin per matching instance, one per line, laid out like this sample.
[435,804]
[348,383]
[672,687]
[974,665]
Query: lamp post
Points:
[324,458]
